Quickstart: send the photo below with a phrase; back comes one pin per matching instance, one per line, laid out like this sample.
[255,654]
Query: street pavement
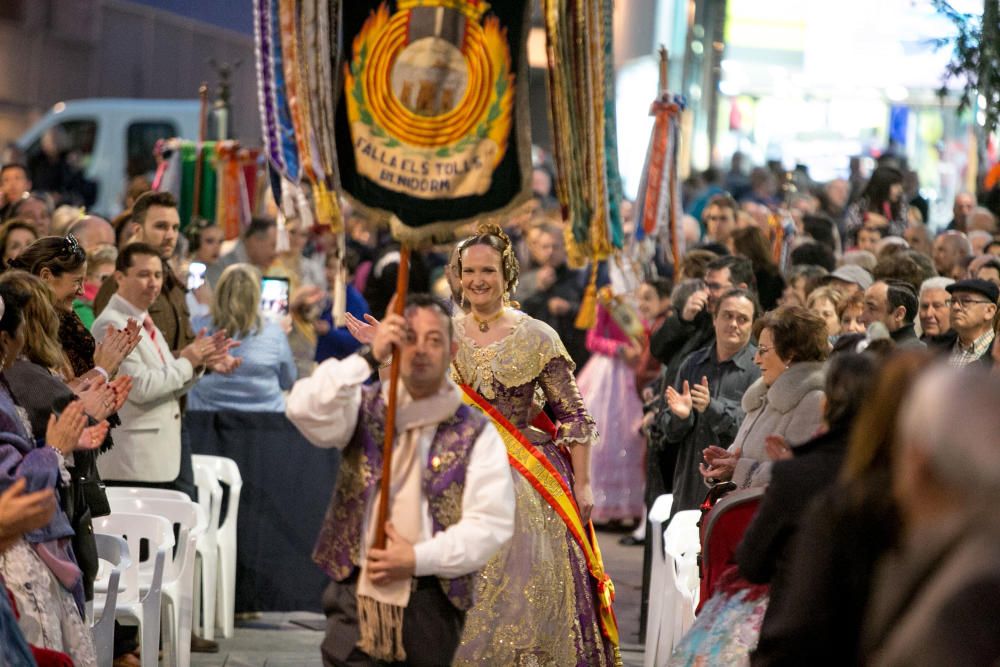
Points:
[292,639]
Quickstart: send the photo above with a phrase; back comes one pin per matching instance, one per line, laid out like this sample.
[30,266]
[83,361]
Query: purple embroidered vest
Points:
[338,547]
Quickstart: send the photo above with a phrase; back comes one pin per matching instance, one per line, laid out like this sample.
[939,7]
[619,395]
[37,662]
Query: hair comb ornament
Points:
[511,268]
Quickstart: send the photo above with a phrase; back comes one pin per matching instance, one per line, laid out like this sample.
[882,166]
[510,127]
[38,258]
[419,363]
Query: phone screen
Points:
[196,276]
[274,297]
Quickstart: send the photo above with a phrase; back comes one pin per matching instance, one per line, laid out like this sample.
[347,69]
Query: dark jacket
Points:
[937,598]
[678,338]
[815,616]
[381,283]
[717,425]
[770,286]
[566,286]
[905,338]
[794,483]
[945,344]
[338,341]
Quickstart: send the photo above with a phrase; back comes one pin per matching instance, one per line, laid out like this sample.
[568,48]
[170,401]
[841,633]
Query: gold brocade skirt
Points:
[535,601]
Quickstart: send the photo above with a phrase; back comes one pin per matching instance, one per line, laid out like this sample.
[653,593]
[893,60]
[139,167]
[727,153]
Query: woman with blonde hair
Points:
[267,367]
[825,302]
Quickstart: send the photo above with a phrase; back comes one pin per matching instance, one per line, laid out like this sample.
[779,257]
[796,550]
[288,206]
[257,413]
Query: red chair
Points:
[722,528]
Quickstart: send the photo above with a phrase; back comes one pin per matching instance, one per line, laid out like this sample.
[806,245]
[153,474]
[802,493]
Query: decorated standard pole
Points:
[202,127]
[402,285]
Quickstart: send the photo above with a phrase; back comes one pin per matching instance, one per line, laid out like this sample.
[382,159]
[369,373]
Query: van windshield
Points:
[141,140]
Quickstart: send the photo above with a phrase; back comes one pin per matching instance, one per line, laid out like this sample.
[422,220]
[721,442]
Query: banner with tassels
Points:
[659,203]
[227,185]
[432,129]
[585,146]
[582,105]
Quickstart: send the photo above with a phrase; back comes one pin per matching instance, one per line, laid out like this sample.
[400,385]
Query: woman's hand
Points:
[98,399]
[121,385]
[63,432]
[117,344]
[21,512]
[719,463]
[777,448]
[93,436]
[631,352]
[584,499]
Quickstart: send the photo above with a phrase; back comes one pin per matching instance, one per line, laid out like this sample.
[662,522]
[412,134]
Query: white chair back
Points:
[671,608]
[206,581]
[159,534]
[227,472]
[682,542]
[114,550]
[178,579]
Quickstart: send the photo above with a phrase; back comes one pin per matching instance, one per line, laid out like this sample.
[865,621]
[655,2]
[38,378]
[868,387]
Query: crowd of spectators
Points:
[790,350]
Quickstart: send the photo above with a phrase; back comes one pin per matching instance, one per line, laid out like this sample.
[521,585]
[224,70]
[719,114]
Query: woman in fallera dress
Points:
[536,604]
[537,601]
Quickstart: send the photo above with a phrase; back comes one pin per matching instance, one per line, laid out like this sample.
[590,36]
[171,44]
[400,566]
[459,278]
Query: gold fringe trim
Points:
[381,627]
[586,318]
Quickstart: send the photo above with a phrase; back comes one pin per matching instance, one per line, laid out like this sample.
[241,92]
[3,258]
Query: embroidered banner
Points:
[432,125]
[546,480]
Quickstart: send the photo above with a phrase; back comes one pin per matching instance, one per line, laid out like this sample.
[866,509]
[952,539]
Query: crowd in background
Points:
[793,346]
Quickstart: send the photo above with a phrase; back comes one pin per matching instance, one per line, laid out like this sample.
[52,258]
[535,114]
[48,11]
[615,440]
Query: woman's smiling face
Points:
[482,277]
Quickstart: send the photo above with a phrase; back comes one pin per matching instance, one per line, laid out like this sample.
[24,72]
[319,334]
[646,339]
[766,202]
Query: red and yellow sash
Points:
[539,472]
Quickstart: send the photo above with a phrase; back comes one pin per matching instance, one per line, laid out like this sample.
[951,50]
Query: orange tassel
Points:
[586,318]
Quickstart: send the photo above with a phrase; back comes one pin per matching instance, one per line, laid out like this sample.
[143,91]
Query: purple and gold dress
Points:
[535,602]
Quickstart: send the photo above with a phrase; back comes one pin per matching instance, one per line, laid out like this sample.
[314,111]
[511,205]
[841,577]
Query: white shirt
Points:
[325,408]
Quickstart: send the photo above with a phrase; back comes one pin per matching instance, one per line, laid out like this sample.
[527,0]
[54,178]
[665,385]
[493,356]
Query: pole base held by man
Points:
[451,504]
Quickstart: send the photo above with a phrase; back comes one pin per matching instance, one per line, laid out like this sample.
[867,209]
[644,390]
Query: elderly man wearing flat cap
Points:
[973,307]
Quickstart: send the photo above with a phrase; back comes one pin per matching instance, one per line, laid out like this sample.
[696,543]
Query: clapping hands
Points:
[719,463]
[116,345]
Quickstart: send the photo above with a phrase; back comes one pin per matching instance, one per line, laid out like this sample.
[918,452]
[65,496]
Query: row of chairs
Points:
[199,574]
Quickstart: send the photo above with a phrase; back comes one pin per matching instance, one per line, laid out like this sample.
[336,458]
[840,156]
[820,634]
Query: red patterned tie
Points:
[147,324]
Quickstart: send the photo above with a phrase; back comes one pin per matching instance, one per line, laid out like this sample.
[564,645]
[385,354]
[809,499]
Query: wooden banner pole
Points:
[402,283]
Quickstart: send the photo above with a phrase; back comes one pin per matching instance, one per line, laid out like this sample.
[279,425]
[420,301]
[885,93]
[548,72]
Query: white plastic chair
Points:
[210,499]
[144,610]
[206,571]
[658,514]
[682,542]
[143,492]
[178,576]
[671,607]
[227,472]
[114,550]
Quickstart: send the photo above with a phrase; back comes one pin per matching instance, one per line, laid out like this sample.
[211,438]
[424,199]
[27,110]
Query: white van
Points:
[115,139]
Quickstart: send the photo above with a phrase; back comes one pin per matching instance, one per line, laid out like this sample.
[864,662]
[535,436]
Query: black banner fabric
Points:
[432,122]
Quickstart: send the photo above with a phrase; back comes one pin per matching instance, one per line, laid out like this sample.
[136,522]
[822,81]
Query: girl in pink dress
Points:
[607,384]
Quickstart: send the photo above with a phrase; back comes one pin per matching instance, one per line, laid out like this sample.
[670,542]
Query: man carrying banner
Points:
[451,502]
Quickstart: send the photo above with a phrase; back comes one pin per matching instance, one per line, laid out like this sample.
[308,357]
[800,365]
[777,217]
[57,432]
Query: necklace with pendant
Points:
[484,325]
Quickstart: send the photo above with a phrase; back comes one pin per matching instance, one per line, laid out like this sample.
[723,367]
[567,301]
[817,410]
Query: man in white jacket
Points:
[147,447]
[451,505]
